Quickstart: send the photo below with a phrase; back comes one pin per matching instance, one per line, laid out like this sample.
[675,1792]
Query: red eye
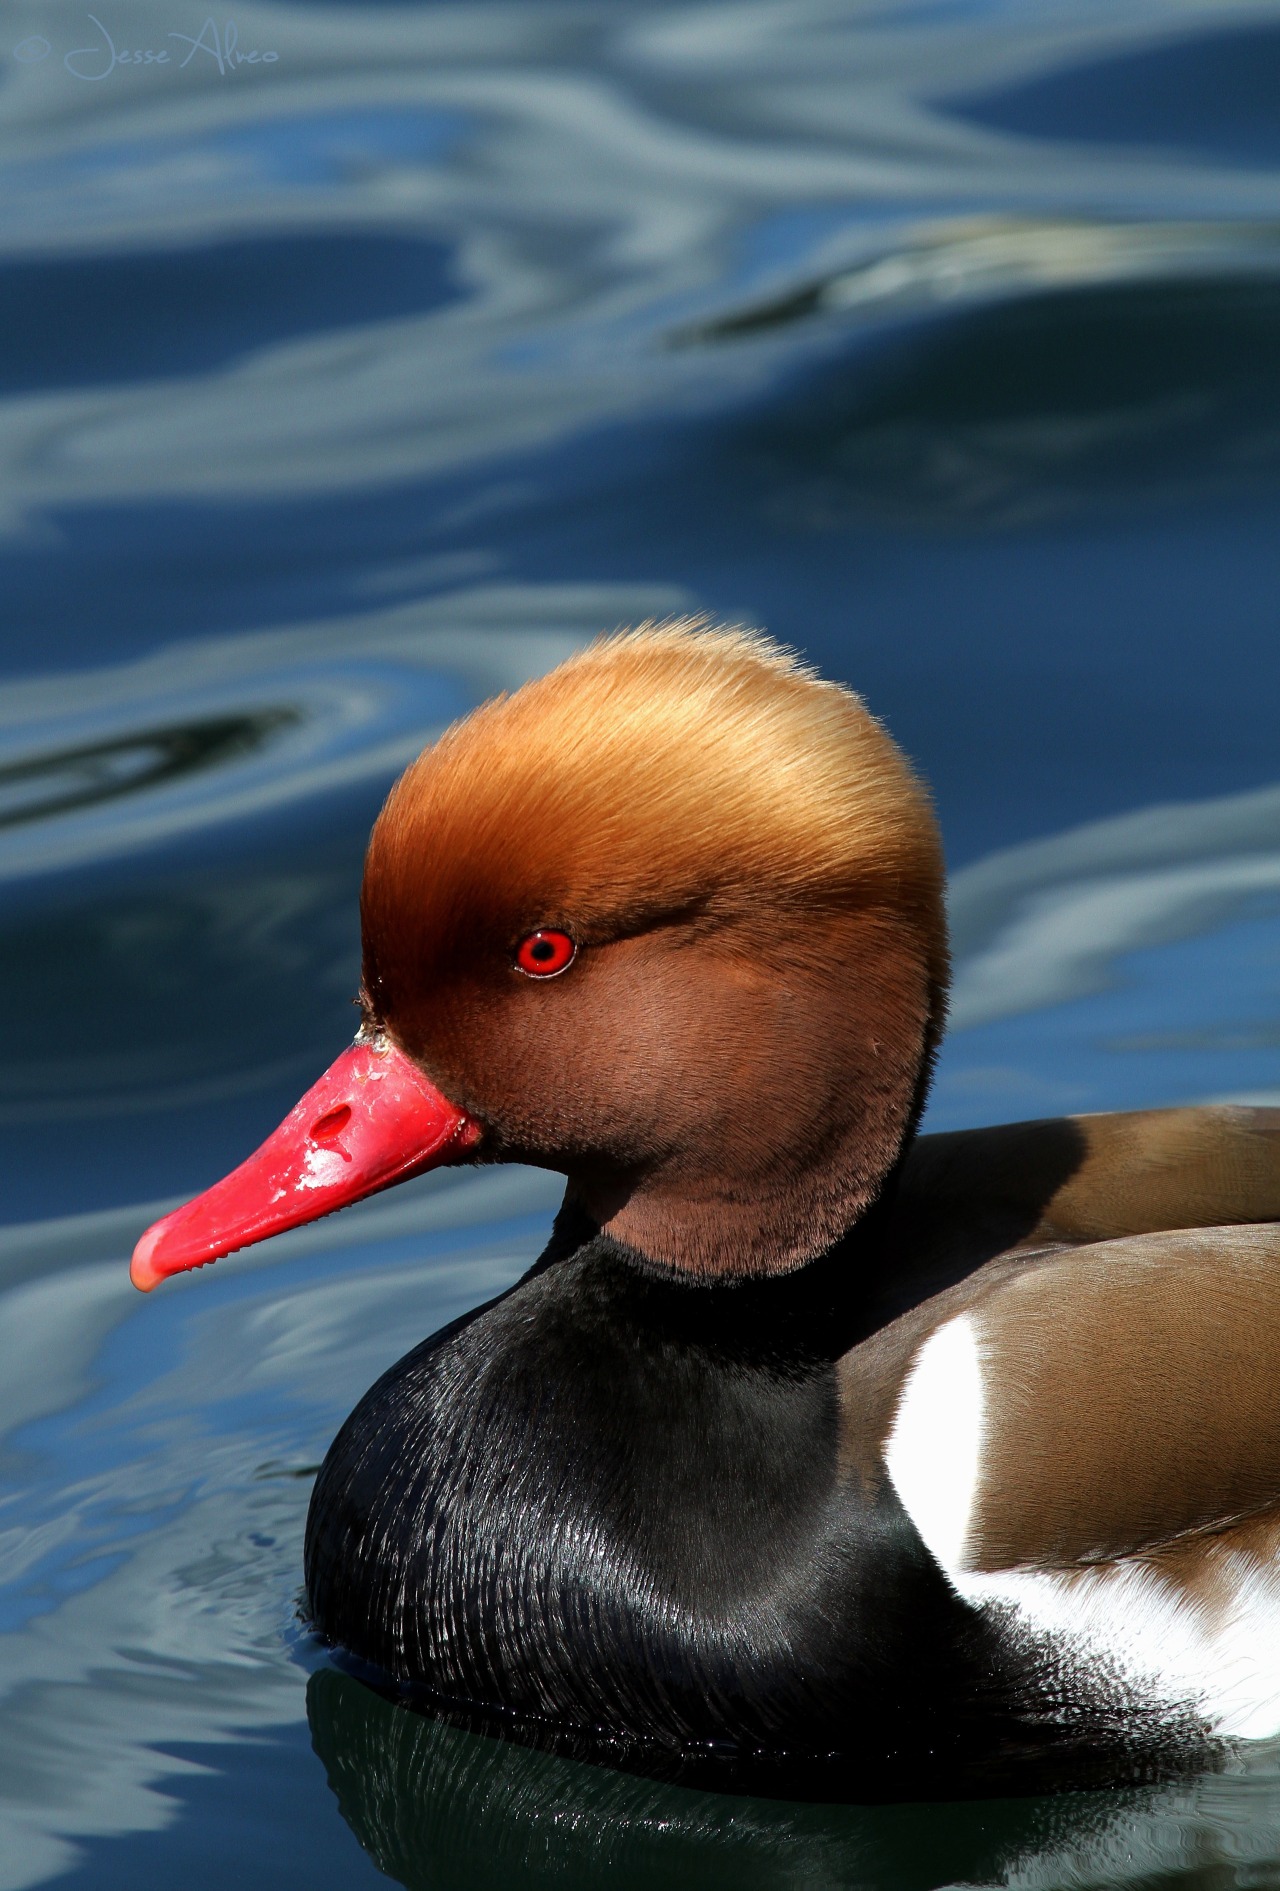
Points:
[543,954]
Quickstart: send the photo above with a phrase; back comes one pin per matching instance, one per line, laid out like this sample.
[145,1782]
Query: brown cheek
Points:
[584,1063]
[654,1051]
[628,1054]
[518,1052]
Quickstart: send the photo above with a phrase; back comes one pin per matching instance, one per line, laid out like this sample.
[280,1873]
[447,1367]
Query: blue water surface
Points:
[342,388]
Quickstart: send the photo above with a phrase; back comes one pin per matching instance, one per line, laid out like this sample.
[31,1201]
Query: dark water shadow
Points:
[100,319]
[164,993]
[1216,93]
[436,1806]
[1030,410]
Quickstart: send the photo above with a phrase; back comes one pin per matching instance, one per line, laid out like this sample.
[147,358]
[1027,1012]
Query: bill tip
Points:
[143,1271]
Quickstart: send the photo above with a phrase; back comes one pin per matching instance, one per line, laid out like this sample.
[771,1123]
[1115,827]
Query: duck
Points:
[815,1455]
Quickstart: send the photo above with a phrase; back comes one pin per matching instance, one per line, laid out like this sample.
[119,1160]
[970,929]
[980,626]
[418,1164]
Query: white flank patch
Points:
[1223,1656]
[1220,1654]
[934,1451]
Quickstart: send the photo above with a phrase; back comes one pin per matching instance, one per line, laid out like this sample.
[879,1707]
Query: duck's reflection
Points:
[436,1806]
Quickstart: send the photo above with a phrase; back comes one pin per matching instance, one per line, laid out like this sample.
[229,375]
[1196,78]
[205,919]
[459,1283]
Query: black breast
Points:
[613,1504]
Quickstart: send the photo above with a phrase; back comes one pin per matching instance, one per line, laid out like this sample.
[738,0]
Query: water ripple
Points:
[342,391]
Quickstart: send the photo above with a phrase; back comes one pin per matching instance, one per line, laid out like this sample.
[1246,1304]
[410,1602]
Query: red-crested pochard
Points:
[812,1455]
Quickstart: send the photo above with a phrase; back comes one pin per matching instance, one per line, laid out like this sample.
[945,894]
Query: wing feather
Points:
[1131,1397]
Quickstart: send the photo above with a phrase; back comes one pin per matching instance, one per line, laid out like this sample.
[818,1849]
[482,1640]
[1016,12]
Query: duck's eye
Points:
[545,953]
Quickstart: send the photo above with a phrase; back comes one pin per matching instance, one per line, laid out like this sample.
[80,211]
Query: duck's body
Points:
[814,1455]
[625,1513]
[698,1527]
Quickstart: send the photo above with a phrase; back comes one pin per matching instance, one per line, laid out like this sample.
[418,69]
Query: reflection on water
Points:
[1215,92]
[341,392]
[204,307]
[434,1806]
[98,771]
[437,1807]
[977,259]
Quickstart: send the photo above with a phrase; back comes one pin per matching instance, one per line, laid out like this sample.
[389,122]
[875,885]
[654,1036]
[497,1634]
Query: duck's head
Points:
[668,920]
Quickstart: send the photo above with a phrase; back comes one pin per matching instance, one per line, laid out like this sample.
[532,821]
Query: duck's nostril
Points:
[327,1128]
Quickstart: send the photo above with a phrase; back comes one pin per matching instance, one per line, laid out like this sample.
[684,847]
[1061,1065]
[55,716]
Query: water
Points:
[338,390]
